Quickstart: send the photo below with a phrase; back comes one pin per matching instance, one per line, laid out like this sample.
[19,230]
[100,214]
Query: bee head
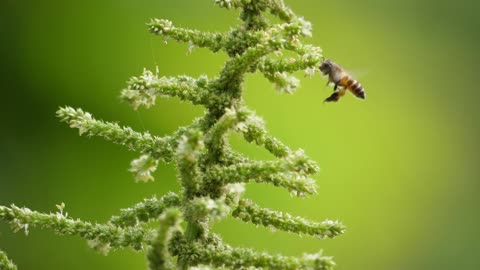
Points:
[326,66]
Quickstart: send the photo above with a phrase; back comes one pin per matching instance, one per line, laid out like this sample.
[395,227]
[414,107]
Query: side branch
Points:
[157,147]
[289,172]
[234,69]
[157,254]
[103,235]
[283,82]
[296,163]
[5,263]
[275,70]
[145,211]
[254,131]
[281,36]
[212,41]
[240,258]
[144,89]
[188,151]
[309,60]
[250,212]
[277,7]
[297,184]
[215,140]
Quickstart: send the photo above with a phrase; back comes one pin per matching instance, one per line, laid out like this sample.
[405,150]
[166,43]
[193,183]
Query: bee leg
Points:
[336,86]
[333,98]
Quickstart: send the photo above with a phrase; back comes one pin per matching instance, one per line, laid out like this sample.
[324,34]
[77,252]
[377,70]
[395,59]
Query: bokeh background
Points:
[401,169]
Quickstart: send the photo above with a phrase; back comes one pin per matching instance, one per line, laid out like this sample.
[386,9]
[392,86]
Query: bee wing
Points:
[358,73]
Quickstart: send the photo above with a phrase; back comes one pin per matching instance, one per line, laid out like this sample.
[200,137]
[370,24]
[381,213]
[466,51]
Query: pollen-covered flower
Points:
[142,168]
[285,83]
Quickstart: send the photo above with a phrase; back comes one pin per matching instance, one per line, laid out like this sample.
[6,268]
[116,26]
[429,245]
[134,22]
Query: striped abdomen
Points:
[355,87]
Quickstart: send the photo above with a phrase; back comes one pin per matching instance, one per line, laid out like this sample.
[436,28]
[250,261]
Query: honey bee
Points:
[342,81]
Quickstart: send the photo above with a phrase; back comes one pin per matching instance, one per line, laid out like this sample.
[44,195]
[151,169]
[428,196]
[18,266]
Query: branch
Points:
[145,211]
[103,236]
[250,212]
[309,59]
[294,163]
[207,267]
[229,4]
[283,82]
[5,263]
[242,258]
[276,70]
[286,36]
[188,151]
[232,157]
[254,131]
[157,254]
[252,127]
[212,41]
[215,140]
[276,38]
[297,184]
[201,208]
[277,7]
[144,89]
[236,66]
[213,206]
[157,147]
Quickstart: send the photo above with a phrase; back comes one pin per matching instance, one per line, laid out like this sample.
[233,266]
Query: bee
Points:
[342,81]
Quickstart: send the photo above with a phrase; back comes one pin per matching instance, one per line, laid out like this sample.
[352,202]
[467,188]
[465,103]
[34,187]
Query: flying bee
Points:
[342,81]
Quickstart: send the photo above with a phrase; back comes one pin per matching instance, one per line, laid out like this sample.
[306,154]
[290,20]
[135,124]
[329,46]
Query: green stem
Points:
[193,233]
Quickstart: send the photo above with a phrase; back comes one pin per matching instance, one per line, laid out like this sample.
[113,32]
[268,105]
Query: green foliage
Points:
[211,173]
[5,263]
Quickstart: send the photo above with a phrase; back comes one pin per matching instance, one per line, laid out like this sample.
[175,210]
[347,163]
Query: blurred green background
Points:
[400,169]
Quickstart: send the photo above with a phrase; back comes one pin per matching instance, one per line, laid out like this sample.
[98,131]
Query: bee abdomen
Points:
[356,88]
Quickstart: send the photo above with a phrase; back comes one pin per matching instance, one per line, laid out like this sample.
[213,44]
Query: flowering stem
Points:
[145,211]
[108,234]
[5,263]
[248,211]
[211,173]
[235,258]
[157,254]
